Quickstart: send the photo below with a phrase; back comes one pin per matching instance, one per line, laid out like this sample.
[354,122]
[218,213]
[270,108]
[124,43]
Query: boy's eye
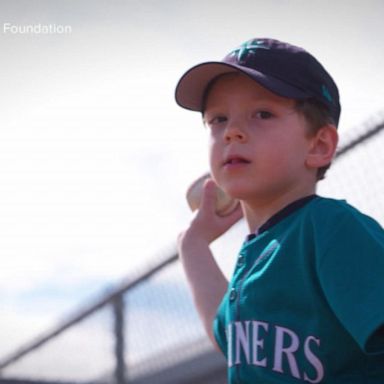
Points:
[263,115]
[217,120]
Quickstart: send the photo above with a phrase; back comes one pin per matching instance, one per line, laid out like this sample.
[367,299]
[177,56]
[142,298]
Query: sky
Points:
[95,156]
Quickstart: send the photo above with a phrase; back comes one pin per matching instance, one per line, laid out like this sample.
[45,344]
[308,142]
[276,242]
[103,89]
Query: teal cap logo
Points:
[326,93]
[249,46]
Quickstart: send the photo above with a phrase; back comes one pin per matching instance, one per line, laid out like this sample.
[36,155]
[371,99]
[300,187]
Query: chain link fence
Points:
[147,330]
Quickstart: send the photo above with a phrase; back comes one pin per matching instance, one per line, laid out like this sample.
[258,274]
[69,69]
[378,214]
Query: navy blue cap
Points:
[282,68]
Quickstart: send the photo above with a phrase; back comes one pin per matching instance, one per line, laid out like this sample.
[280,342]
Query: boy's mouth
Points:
[234,160]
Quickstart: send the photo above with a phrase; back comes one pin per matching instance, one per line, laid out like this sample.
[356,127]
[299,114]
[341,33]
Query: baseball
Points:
[224,203]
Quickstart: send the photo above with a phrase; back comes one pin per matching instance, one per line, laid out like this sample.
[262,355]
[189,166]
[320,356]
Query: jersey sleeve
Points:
[351,273]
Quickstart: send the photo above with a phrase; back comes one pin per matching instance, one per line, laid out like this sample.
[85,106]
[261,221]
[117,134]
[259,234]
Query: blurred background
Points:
[95,158]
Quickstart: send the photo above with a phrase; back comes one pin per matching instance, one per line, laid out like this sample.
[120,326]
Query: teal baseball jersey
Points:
[306,299]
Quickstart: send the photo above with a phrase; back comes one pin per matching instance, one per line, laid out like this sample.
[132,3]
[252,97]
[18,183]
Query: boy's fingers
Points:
[208,198]
[235,215]
[209,202]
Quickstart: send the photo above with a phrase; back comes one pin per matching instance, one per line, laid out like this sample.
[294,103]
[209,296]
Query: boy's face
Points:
[258,141]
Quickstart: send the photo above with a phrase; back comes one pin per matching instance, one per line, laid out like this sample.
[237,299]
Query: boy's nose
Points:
[234,133]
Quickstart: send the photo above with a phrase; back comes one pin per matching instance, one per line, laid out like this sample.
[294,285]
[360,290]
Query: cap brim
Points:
[191,87]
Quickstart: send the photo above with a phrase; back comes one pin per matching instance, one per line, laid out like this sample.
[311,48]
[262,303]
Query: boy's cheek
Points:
[214,166]
[213,139]
[214,152]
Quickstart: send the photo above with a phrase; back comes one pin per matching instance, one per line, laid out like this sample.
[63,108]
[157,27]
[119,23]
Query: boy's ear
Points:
[322,147]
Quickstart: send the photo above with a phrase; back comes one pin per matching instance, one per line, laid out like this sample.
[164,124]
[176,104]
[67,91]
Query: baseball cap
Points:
[282,68]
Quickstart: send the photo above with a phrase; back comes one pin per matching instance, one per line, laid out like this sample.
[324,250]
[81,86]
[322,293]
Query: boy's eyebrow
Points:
[264,100]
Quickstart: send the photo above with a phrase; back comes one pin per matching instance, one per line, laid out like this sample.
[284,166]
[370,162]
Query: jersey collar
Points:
[282,214]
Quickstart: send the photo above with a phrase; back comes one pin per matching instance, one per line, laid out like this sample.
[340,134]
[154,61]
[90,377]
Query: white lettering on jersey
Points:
[314,360]
[289,351]
[258,343]
[246,345]
[229,343]
[242,340]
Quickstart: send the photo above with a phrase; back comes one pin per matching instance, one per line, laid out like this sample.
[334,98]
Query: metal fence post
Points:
[118,312]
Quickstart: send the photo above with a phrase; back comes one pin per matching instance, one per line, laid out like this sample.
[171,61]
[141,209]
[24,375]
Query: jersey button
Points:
[241,260]
[232,294]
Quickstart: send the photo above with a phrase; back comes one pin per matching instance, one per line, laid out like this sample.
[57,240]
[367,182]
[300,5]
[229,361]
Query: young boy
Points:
[306,299]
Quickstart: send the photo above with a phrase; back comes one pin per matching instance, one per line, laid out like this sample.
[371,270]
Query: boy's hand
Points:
[207,225]
[206,279]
